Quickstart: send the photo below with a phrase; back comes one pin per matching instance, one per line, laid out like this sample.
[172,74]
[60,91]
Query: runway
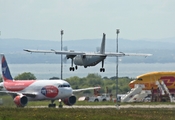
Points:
[110,106]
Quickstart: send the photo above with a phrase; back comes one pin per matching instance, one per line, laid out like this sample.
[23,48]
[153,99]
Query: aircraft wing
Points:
[84,89]
[120,54]
[56,52]
[39,51]
[71,52]
[17,93]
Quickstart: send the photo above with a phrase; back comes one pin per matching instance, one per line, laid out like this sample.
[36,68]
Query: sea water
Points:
[46,71]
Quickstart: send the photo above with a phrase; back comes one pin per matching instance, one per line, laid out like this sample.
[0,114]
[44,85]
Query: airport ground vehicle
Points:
[103,97]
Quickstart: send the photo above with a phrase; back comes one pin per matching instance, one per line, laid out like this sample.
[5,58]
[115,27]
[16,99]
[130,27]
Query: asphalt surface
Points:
[111,106]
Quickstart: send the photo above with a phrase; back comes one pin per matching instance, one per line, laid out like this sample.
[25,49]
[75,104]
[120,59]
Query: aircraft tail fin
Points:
[6,75]
[102,50]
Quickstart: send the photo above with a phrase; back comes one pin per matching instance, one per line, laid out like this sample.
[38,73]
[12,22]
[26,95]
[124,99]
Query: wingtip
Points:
[26,50]
[148,55]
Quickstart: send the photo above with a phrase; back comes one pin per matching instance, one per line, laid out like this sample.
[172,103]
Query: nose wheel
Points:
[52,105]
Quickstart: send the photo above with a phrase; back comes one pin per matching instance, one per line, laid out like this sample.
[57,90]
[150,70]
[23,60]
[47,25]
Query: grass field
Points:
[8,111]
[11,113]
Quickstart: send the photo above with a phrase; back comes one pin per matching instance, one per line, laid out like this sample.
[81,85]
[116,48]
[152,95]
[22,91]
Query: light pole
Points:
[117,32]
[61,54]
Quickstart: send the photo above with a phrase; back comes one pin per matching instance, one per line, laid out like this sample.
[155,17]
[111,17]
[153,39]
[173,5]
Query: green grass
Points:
[8,113]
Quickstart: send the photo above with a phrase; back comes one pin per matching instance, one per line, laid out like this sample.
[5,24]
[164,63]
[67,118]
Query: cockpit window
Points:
[139,79]
[64,85]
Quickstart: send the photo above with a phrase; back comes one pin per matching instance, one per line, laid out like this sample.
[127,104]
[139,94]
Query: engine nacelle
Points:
[70,56]
[20,100]
[70,100]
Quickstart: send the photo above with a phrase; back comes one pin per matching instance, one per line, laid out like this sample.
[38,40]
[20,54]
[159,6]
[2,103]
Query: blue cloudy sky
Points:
[87,19]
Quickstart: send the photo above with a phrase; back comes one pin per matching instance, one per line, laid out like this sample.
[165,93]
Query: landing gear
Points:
[72,60]
[71,69]
[60,104]
[76,67]
[52,105]
[102,69]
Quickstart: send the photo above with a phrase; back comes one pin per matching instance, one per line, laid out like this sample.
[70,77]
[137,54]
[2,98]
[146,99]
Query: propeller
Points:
[65,59]
[97,49]
[65,48]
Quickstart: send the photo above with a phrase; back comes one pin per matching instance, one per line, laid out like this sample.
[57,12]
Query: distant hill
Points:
[163,50]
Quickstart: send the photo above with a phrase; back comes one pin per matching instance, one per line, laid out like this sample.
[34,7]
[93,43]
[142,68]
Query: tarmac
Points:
[110,106]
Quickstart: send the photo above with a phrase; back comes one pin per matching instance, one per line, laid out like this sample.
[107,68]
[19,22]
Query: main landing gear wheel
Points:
[71,69]
[102,70]
[60,104]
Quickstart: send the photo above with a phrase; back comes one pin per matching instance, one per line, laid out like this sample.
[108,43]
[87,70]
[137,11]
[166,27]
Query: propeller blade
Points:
[97,49]
[65,59]
[65,48]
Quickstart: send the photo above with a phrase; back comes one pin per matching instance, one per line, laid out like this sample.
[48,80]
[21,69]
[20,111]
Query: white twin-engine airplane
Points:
[88,59]
[23,91]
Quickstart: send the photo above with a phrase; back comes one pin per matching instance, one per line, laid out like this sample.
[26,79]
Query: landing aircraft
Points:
[149,80]
[88,59]
[23,91]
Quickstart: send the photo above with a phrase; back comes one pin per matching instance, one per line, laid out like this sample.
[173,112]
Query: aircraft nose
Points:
[131,84]
[69,91]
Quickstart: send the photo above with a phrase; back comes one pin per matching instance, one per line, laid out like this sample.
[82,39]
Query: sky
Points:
[87,19]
